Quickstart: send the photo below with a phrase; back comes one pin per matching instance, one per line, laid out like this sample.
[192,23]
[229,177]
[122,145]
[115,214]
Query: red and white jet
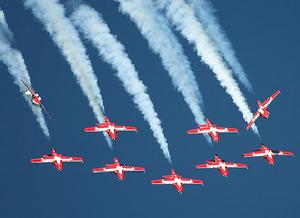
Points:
[263,109]
[220,164]
[212,129]
[110,128]
[56,159]
[118,168]
[268,154]
[35,98]
[177,181]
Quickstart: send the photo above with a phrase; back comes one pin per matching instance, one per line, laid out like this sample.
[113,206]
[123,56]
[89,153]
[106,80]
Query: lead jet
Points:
[212,129]
[263,109]
[110,128]
[220,164]
[35,98]
[118,168]
[56,159]
[268,154]
[177,181]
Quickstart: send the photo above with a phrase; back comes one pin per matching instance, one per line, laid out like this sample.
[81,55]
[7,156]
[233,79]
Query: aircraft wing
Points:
[28,87]
[125,128]
[191,181]
[133,169]
[46,111]
[42,160]
[236,165]
[98,128]
[283,153]
[271,98]
[258,153]
[207,166]
[256,115]
[163,182]
[71,159]
[104,170]
[199,130]
[225,129]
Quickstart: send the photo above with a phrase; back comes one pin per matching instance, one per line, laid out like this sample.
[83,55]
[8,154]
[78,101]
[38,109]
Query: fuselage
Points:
[56,160]
[269,155]
[223,169]
[119,172]
[263,111]
[213,133]
[111,131]
[58,163]
[178,185]
[36,99]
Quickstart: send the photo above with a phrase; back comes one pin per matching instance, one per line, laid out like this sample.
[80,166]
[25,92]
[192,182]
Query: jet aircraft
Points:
[56,159]
[110,128]
[268,154]
[212,129]
[220,164]
[118,168]
[177,181]
[35,98]
[263,109]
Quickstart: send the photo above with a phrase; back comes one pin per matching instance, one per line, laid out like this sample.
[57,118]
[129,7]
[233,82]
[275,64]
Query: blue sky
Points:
[266,40]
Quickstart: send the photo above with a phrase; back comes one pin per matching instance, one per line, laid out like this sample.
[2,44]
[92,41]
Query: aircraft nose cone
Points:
[113,137]
[225,173]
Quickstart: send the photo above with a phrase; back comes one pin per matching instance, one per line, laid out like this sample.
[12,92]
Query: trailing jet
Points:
[35,98]
[118,168]
[177,181]
[56,159]
[220,164]
[110,128]
[263,109]
[268,154]
[212,129]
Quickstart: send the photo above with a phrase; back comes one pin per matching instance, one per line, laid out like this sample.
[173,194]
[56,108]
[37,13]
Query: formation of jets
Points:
[177,181]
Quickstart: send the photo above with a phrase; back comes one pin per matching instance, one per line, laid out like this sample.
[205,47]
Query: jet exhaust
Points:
[182,17]
[65,36]
[15,63]
[94,29]
[164,43]
[204,11]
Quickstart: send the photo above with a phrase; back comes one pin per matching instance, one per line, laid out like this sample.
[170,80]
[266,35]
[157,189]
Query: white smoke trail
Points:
[51,13]
[14,61]
[182,17]
[205,12]
[4,28]
[113,52]
[163,42]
